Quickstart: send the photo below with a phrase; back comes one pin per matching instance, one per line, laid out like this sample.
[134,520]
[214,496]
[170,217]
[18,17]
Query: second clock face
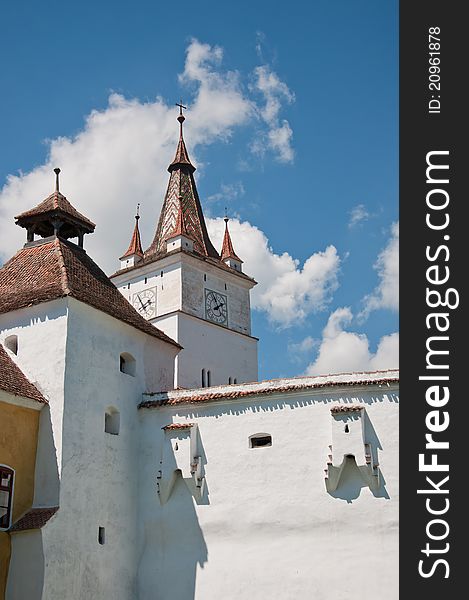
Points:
[216,307]
[145,303]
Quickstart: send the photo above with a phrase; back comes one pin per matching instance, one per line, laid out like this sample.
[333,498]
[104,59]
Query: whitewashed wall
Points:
[98,471]
[211,347]
[265,526]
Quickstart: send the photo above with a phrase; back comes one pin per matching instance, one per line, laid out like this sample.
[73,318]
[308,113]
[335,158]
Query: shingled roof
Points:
[35,518]
[56,203]
[269,387]
[13,380]
[55,268]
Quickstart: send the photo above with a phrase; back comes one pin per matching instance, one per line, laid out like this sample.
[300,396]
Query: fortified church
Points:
[140,458]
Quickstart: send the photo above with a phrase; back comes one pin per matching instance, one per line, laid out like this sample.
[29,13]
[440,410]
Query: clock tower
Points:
[182,285]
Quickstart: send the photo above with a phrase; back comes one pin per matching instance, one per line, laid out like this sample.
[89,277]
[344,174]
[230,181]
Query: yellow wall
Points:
[18,443]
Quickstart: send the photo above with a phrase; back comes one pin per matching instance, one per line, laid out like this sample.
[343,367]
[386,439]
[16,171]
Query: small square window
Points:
[260,441]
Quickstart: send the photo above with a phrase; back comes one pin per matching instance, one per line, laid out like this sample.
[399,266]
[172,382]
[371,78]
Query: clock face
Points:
[145,302]
[216,307]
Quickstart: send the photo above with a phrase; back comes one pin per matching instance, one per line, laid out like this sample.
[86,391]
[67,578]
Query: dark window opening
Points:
[235,380]
[101,536]
[260,441]
[229,380]
[146,279]
[205,277]
[128,287]
[11,342]
[225,286]
[203,377]
[209,379]
[161,274]
[127,364]
[112,421]
[6,495]
[347,430]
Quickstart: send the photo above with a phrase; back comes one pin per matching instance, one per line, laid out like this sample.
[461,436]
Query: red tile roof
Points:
[135,246]
[56,203]
[34,518]
[269,387]
[55,268]
[13,380]
[227,250]
[176,426]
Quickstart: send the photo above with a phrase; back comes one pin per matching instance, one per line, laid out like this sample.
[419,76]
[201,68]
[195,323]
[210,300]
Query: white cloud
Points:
[279,135]
[386,295]
[121,154]
[298,350]
[287,291]
[358,215]
[343,351]
[228,192]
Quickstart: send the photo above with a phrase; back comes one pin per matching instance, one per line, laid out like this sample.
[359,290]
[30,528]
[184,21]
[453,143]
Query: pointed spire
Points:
[182,156]
[227,250]
[135,246]
[181,196]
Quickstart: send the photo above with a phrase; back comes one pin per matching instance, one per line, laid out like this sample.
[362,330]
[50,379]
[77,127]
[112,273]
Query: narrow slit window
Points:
[203,378]
[146,279]
[209,379]
[260,440]
[229,380]
[101,536]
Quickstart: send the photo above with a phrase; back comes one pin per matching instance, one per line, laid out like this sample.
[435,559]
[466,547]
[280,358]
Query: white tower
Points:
[187,289]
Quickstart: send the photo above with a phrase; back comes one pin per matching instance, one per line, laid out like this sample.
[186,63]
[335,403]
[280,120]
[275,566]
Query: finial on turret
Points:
[57,171]
[226,218]
[137,216]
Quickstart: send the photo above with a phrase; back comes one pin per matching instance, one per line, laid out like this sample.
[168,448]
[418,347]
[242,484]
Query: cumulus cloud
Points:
[358,215]
[279,135]
[386,294]
[342,351]
[121,154]
[287,291]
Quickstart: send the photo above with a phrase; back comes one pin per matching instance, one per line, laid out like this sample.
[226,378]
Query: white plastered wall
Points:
[98,471]
[264,525]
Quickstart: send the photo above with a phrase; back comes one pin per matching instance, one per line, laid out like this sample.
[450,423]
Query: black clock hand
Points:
[140,300]
[217,307]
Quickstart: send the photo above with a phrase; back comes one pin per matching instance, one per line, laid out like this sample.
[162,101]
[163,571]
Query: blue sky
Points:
[292,122]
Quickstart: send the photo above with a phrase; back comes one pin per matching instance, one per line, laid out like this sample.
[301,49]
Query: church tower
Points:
[183,286]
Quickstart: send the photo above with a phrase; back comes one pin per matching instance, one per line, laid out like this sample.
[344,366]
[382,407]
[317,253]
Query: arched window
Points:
[112,421]
[7,476]
[11,342]
[260,440]
[229,380]
[235,380]
[209,379]
[203,378]
[127,364]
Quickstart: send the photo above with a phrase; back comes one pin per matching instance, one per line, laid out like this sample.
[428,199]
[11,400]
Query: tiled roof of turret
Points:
[135,246]
[227,248]
[56,203]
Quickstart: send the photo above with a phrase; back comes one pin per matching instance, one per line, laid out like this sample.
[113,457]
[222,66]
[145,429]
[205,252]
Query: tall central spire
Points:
[181,196]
